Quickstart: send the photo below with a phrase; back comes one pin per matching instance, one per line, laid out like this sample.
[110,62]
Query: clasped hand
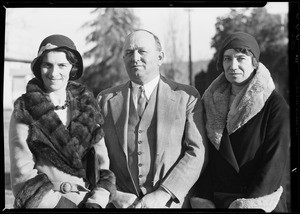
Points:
[156,199]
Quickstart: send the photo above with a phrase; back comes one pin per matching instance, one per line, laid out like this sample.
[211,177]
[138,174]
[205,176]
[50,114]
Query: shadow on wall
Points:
[7,181]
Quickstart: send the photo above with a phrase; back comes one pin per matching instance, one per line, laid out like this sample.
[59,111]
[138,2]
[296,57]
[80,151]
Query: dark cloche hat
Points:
[238,40]
[53,42]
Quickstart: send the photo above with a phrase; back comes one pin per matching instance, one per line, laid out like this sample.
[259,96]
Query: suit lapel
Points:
[120,111]
[227,151]
[167,102]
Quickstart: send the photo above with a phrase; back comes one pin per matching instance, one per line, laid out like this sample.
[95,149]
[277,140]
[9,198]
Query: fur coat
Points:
[65,148]
[249,144]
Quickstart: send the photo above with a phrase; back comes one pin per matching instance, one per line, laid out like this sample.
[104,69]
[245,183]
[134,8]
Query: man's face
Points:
[141,57]
[238,67]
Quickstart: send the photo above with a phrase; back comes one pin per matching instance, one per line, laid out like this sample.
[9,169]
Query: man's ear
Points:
[161,57]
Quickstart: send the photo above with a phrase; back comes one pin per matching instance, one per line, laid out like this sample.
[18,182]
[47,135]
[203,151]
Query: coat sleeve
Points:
[269,182]
[187,170]
[31,189]
[105,188]
[275,149]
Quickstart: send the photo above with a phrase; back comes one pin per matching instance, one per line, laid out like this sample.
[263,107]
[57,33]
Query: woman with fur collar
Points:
[57,150]
[247,124]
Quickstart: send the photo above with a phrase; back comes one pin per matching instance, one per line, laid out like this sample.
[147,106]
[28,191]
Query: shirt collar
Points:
[149,87]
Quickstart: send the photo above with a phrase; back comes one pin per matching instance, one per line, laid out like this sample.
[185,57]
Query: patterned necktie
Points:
[141,102]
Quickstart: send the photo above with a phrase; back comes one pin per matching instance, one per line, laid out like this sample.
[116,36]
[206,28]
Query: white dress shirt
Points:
[149,87]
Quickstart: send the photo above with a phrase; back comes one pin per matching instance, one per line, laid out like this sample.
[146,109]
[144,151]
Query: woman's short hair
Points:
[248,52]
[71,57]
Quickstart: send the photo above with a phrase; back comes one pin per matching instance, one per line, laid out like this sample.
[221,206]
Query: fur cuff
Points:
[99,196]
[267,203]
[108,181]
[33,192]
[201,203]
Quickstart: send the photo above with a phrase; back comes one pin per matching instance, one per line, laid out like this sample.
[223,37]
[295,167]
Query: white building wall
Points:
[16,76]
[7,88]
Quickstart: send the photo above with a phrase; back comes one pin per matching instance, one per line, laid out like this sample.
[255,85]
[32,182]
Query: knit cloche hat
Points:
[51,43]
[238,40]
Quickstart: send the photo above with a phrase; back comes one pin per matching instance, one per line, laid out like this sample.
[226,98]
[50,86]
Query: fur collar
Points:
[48,137]
[246,105]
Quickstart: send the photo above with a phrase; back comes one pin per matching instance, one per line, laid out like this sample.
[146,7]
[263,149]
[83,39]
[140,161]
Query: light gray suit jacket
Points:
[181,140]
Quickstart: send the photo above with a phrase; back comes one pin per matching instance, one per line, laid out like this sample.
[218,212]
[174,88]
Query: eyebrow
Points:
[238,53]
[59,63]
[137,48]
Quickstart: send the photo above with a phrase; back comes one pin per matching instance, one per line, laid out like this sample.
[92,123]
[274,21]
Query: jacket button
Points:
[65,187]
[140,164]
[140,131]
[139,142]
[139,153]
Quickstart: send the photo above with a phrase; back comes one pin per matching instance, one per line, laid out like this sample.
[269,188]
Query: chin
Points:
[56,88]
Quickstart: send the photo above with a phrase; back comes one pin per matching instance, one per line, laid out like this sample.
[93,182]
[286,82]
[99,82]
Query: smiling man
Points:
[153,130]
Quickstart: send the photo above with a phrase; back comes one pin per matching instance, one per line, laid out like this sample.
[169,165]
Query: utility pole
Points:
[190,49]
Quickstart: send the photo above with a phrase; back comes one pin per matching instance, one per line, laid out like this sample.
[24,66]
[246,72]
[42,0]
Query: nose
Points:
[55,70]
[234,64]
[136,56]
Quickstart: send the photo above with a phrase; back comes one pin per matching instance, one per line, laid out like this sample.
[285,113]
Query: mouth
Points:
[234,74]
[54,79]
[136,67]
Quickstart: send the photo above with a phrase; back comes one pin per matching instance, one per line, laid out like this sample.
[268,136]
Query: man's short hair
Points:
[156,39]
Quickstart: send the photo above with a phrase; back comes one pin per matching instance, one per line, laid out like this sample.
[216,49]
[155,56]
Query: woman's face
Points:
[55,71]
[238,67]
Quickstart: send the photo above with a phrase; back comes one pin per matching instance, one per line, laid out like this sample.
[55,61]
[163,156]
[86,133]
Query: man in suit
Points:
[155,134]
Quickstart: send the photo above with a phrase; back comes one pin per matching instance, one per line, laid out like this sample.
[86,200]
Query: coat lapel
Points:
[120,112]
[167,102]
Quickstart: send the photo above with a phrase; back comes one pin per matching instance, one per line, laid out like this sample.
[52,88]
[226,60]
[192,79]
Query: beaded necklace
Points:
[67,103]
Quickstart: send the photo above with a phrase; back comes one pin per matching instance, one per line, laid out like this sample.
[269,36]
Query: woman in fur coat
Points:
[247,124]
[57,150]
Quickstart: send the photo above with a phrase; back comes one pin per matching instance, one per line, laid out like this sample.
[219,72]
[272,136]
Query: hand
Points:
[124,200]
[156,199]
[98,198]
[201,203]
[92,206]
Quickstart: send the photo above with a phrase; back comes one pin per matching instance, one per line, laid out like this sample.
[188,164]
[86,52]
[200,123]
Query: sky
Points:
[34,24]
